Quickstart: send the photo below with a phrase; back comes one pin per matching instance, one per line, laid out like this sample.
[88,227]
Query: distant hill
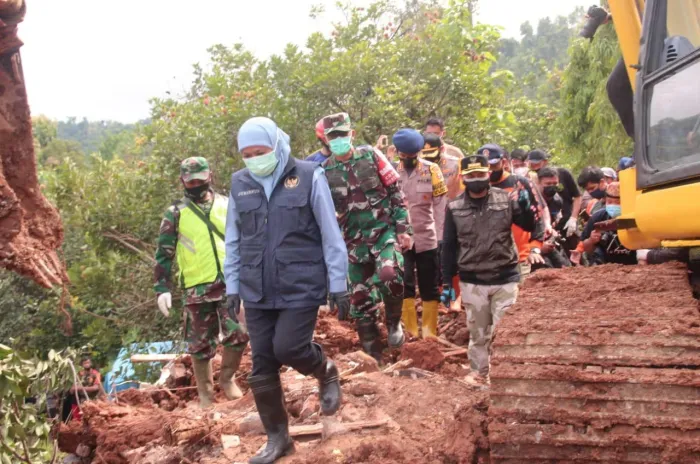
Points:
[91,134]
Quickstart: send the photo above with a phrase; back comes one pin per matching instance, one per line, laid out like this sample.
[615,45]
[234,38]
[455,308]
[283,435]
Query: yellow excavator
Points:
[660,42]
[588,366]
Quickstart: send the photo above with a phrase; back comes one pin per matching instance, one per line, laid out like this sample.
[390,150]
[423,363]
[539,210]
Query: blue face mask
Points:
[341,146]
[613,210]
[263,165]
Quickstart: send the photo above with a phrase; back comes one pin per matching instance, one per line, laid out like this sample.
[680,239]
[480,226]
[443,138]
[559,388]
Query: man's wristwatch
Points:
[537,251]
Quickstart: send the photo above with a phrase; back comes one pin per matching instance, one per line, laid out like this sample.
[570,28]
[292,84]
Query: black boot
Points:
[328,385]
[369,338]
[269,399]
[393,308]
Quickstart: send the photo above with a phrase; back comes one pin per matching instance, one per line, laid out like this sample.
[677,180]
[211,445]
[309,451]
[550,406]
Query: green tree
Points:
[540,54]
[58,150]
[588,130]
[45,130]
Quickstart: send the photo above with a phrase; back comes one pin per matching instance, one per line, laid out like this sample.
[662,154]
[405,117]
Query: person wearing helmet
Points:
[192,233]
[325,151]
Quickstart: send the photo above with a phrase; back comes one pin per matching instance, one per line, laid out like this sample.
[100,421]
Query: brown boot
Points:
[230,360]
[205,381]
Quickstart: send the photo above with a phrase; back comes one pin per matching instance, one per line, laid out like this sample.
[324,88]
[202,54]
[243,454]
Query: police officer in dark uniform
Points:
[284,254]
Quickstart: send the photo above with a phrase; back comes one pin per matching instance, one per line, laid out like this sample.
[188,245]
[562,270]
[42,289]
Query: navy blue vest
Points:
[282,265]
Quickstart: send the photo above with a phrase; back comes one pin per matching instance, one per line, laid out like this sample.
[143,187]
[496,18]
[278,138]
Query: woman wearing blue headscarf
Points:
[284,254]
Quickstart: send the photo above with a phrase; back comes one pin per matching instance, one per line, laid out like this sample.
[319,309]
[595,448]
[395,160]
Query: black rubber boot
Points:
[393,308]
[328,385]
[269,399]
[369,338]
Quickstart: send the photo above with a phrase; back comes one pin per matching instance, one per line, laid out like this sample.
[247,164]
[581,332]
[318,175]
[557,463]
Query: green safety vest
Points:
[200,253]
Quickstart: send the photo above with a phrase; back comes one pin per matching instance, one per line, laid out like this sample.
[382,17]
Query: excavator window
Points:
[671,93]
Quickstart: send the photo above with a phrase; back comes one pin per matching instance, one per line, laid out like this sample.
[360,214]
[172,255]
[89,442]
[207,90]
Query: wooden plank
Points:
[318,429]
[147,358]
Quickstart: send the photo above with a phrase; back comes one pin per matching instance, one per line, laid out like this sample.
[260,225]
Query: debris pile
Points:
[399,412]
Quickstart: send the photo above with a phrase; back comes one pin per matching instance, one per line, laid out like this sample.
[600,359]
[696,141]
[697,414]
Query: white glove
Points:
[165,302]
[571,226]
[642,255]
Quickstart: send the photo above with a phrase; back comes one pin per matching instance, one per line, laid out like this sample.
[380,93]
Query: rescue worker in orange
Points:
[529,244]
[435,151]
[426,194]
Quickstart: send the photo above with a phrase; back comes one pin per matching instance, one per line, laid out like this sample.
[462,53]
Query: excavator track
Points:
[597,365]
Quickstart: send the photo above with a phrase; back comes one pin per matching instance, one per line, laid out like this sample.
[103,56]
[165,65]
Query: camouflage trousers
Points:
[203,324]
[486,305]
[373,281]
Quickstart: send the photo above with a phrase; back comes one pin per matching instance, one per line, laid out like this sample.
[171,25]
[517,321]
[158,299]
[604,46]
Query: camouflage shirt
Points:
[165,255]
[370,213]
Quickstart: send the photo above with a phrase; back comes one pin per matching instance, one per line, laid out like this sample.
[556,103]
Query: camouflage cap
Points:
[195,168]
[339,122]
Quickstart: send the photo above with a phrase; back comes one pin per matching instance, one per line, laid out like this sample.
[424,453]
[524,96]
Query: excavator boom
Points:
[30,227]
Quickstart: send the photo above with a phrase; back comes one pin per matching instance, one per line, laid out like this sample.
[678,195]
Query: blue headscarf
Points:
[264,132]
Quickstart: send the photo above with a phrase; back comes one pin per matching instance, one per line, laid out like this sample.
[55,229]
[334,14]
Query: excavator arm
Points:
[30,227]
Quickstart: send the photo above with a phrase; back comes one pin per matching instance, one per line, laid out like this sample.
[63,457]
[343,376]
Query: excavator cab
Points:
[660,195]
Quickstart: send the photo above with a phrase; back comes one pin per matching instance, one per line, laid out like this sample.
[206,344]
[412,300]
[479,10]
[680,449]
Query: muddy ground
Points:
[570,374]
[412,408]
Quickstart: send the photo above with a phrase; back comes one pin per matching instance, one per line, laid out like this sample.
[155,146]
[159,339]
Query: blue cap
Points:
[494,153]
[408,141]
[625,163]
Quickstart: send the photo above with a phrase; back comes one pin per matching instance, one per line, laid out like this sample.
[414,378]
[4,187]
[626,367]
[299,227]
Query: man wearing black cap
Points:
[529,244]
[426,194]
[478,244]
[435,152]
[568,190]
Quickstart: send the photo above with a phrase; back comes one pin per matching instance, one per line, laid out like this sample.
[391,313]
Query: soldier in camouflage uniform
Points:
[192,233]
[373,217]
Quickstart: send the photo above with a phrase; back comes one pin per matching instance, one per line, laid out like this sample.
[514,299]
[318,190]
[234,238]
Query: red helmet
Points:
[320,132]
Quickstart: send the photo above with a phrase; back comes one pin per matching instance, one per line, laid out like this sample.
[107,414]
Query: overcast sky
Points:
[104,59]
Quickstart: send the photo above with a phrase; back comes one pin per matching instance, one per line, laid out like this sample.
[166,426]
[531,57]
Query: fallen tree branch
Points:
[141,253]
[455,352]
[442,341]
[397,366]
[147,358]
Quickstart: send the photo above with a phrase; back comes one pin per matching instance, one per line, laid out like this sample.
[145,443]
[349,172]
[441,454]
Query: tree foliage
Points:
[539,56]
[24,428]
[588,130]
[387,67]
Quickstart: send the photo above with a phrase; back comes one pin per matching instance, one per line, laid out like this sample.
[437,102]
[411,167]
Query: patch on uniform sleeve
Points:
[386,171]
[439,185]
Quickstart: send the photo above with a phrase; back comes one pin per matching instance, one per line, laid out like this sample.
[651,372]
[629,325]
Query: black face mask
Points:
[477,186]
[409,163]
[197,193]
[598,194]
[496,175]
[550,190]
[432,157]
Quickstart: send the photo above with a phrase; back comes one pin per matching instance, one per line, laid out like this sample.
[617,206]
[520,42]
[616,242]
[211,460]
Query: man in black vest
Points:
[284,253]
[478,244]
